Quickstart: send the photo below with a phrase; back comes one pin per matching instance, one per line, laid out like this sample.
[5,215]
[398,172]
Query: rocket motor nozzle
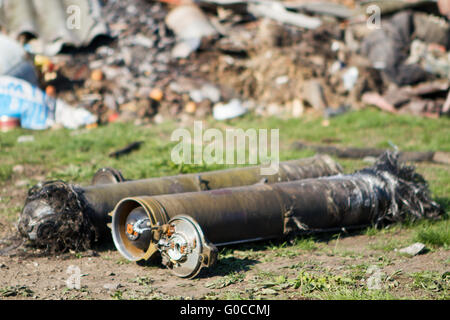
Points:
[140,230]
[186,251]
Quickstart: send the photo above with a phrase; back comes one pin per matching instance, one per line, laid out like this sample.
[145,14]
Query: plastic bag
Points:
[38,111]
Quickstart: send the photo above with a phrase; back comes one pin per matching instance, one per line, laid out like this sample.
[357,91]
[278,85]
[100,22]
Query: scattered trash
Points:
[190,25]
[231,110]
[413,249]
[9,122]
[25,139]
[350,77]
[97,75]
[190,107]
[276,11]
[314,95]
[330,112]
[36,110]
[207,91]
[156,94]
[426,99]
[266,53]
[385,47]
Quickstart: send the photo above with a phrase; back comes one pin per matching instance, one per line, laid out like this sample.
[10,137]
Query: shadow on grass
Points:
[445,204]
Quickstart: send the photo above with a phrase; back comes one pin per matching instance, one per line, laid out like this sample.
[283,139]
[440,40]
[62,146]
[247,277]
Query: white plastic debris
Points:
[350,77]
[206,92]
[276,11]
[24,139]
[282,80]
[190,25]
[72,118]
[231,110]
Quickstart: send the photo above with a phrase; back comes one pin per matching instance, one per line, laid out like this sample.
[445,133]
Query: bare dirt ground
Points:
[107,275]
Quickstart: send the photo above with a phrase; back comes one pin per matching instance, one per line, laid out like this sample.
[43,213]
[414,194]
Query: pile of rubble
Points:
[166,59]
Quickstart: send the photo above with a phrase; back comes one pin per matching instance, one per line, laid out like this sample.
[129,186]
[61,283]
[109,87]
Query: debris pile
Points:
[153,60]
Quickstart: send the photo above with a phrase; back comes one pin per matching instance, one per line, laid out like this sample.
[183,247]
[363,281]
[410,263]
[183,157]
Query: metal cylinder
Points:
[262,211]
[91,205]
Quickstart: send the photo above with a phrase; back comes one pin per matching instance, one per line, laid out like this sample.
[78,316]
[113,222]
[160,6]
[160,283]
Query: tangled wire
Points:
[61,216]
[410,199]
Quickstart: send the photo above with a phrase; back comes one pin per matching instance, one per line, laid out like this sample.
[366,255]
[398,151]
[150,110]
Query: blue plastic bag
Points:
[36,110]
[29,103]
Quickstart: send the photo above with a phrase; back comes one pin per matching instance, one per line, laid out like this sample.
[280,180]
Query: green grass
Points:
[225,281]
[436,235]
[294,249]
[432,281]
[6,171]
[16,291]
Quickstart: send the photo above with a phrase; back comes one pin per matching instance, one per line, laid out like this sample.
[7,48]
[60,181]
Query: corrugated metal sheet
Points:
[53,22]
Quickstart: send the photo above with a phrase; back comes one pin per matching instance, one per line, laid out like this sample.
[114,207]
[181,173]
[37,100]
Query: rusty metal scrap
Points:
[61,216]
[186,228]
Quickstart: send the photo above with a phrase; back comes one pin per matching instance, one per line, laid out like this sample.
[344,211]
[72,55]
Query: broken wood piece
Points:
[360,153]
[277,12]
[128,149]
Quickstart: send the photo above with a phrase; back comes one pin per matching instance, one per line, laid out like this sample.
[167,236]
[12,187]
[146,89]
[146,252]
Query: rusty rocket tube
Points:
[177,225]
[61,215]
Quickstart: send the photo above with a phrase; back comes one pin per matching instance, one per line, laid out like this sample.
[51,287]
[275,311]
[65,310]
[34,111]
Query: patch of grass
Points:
[306,265]
[306,244]
[436,235]
[432,281]
[388,245]
[15,291]
[292,249]
[232,295]
[117,295]
[226,281]
[351,294]
[122,261]
[6,172]
[10,212]
[326,285]
[309,282]
[388,230]
[358,271]
[143,281]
